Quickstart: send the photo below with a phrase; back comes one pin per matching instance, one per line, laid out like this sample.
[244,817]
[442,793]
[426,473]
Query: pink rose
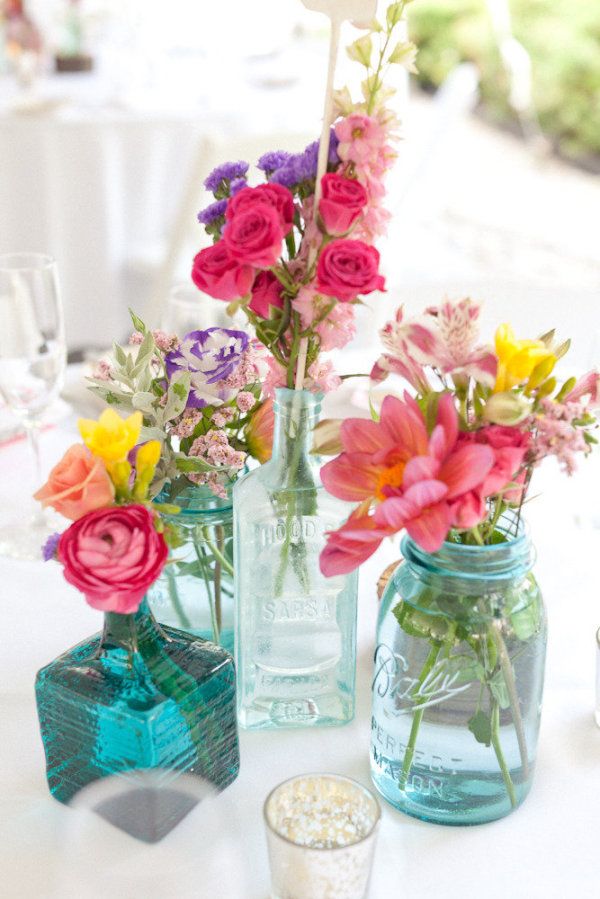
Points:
[342,202]
[218,274]
[254,234]
[77,484]
[113,555]
[265,292]
[348,268]
[280,198]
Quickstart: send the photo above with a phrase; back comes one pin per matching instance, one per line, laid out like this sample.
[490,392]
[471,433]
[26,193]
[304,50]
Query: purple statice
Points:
[237,185]
[286,175]
[210,357]
[50,547]
[225,173]
[213,212]
[273,160]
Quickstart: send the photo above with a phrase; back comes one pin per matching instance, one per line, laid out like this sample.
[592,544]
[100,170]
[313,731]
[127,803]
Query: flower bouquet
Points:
[296,253]
[461,632]
[200,397]
[135,698]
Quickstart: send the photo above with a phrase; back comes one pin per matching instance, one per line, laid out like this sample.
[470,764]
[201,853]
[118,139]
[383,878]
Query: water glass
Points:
[321,832]
[188,309]
[32,364]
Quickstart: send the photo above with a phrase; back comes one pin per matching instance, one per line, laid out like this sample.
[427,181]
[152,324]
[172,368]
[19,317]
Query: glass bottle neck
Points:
[127,631]
[296,414]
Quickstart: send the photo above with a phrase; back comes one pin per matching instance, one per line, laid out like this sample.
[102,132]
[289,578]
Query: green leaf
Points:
[466,668]
[394,14]
[119,354]
[499,690]
[404,54]
[480,726]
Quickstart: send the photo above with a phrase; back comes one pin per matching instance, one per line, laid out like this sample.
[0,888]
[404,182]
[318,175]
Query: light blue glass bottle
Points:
[458,681]
[295,629]
[195,590]
[138,698]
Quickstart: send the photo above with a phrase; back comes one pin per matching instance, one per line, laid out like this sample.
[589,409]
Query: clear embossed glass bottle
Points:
[135,699]
[195,590]
[295,629]
[459,671]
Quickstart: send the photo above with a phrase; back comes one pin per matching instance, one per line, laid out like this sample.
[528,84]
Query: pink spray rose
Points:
[266,292]
[218,274]
[348,268]
[77,484]
[254,233]
[342,202]
[280,198]
[113,555]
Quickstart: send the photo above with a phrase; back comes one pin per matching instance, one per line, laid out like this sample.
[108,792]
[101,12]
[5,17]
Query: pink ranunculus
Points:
[510,446]
[266,292]
[254,234]
[342,203]
[348,268]
[220,275]
[280,198]
[77,484]
[113,555]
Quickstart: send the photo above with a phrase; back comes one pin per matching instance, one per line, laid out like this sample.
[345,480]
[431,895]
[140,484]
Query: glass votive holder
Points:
[321,832]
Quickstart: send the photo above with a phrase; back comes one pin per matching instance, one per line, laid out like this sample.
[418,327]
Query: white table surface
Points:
[547,848]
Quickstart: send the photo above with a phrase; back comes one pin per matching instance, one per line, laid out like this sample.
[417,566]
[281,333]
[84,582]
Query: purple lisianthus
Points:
[213,212]
[225,172]
[50,546]
[209,356]
[273,160]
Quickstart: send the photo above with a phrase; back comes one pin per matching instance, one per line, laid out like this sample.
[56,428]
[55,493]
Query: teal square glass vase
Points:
[138,699]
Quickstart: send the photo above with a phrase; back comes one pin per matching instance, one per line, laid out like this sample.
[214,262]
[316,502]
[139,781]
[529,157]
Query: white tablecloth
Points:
[548,848]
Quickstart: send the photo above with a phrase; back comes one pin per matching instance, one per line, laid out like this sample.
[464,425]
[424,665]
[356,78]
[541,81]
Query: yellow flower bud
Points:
[518,359]
[111,437]
[148,455]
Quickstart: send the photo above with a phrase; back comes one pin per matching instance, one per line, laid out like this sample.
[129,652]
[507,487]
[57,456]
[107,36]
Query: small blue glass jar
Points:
[138,698]
[195,590]
[458,680]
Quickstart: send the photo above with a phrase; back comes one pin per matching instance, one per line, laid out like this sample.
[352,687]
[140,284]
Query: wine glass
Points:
[32,365]
[188,309]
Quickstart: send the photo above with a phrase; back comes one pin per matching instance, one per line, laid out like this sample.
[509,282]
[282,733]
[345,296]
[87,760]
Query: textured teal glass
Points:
[295,629]
[195,590]
[138,698]
[459,673]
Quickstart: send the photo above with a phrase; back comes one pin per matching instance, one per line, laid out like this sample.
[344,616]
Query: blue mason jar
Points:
[458,679]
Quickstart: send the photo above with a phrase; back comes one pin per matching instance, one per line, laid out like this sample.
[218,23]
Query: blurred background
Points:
[113,111]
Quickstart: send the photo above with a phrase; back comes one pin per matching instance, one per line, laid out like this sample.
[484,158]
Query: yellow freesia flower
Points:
[111,437]
[145,465]
[518,359]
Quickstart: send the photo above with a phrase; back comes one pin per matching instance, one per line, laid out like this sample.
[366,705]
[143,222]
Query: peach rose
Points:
[78,484]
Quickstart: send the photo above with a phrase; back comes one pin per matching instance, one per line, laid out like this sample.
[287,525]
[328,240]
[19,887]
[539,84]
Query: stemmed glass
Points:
[32,365]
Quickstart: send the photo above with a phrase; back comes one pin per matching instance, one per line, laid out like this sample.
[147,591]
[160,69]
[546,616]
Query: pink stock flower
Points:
[220,275]
[276,377]
[336,329]
[360,139]
[418,482]
[445,337]
[322,378]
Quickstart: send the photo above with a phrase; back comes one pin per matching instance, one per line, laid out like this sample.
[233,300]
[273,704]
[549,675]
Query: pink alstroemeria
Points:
[398,359]
[418,483]
[586,386]
[445,339]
